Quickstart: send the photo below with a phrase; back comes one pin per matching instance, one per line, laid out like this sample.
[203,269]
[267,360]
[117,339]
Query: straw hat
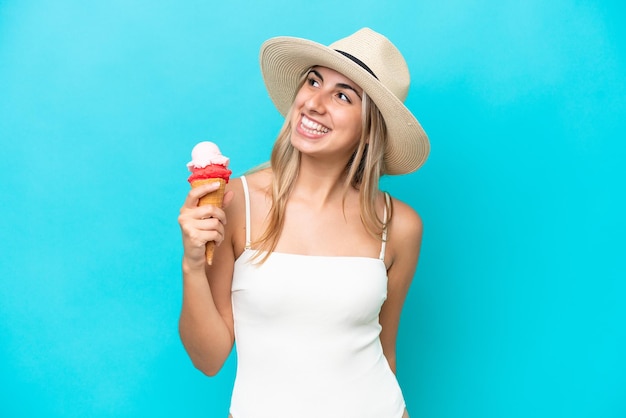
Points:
[370,60]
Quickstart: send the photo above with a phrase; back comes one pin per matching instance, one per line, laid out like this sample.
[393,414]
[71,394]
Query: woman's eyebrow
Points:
[349,87]
[317,74]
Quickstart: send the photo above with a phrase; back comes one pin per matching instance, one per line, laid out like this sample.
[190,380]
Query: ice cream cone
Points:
[215,198]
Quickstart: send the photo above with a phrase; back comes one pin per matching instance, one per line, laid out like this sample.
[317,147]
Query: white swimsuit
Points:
[307,337]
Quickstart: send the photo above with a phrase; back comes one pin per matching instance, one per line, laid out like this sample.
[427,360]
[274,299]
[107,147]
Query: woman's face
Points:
[326,116]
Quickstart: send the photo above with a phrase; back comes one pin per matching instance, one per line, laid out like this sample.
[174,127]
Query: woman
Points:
[313,261]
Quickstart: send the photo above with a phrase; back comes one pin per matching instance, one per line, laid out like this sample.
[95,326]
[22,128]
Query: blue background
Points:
[517,308]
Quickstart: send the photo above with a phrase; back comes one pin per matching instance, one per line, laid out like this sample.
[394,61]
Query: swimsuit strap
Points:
[384,244]
[247,197]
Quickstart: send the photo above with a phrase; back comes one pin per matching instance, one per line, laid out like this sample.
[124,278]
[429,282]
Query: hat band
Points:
[358,61]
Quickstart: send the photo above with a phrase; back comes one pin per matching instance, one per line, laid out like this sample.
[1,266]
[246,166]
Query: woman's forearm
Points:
[203,329]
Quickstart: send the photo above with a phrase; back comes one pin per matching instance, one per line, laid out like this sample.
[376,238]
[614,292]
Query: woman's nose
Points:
[315,103]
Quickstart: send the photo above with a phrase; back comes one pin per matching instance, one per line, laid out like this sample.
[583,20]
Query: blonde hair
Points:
[363,173]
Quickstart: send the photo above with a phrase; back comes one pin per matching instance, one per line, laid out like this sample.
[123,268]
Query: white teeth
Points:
[313,127]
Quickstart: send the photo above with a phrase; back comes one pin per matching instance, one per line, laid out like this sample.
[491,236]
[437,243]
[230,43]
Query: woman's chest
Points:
[310,288]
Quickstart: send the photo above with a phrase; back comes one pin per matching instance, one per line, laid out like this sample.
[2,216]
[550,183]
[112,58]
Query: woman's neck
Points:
[320,184]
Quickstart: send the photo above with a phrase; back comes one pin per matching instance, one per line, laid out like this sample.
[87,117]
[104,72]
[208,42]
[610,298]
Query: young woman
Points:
[313,261]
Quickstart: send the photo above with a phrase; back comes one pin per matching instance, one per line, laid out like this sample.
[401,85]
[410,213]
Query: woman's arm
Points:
[206,319]
[403,247]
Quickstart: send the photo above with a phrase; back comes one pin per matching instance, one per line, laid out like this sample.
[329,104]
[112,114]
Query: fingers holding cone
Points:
[215,198]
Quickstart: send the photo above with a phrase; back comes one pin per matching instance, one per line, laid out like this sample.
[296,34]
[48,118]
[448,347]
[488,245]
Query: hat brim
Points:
[284,59]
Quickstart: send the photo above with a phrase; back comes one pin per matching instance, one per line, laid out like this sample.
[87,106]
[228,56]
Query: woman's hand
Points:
[201,224]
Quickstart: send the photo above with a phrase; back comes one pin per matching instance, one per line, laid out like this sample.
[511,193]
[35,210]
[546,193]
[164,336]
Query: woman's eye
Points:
[313,82]
[344,97]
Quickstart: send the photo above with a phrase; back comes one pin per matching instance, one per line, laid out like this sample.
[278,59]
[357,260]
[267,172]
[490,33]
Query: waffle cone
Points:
[215,198]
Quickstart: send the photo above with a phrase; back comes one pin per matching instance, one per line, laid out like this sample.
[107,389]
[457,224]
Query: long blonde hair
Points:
[363,173]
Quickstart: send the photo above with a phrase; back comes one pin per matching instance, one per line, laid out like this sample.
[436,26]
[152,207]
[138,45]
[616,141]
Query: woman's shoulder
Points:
[405,222]
[259,179]
[404,238]
[258,185]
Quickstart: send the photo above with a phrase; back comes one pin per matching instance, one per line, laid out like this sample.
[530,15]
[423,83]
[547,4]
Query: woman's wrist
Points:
[191,266]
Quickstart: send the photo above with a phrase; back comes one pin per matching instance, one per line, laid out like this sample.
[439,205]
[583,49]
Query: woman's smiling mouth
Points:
[312,128]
